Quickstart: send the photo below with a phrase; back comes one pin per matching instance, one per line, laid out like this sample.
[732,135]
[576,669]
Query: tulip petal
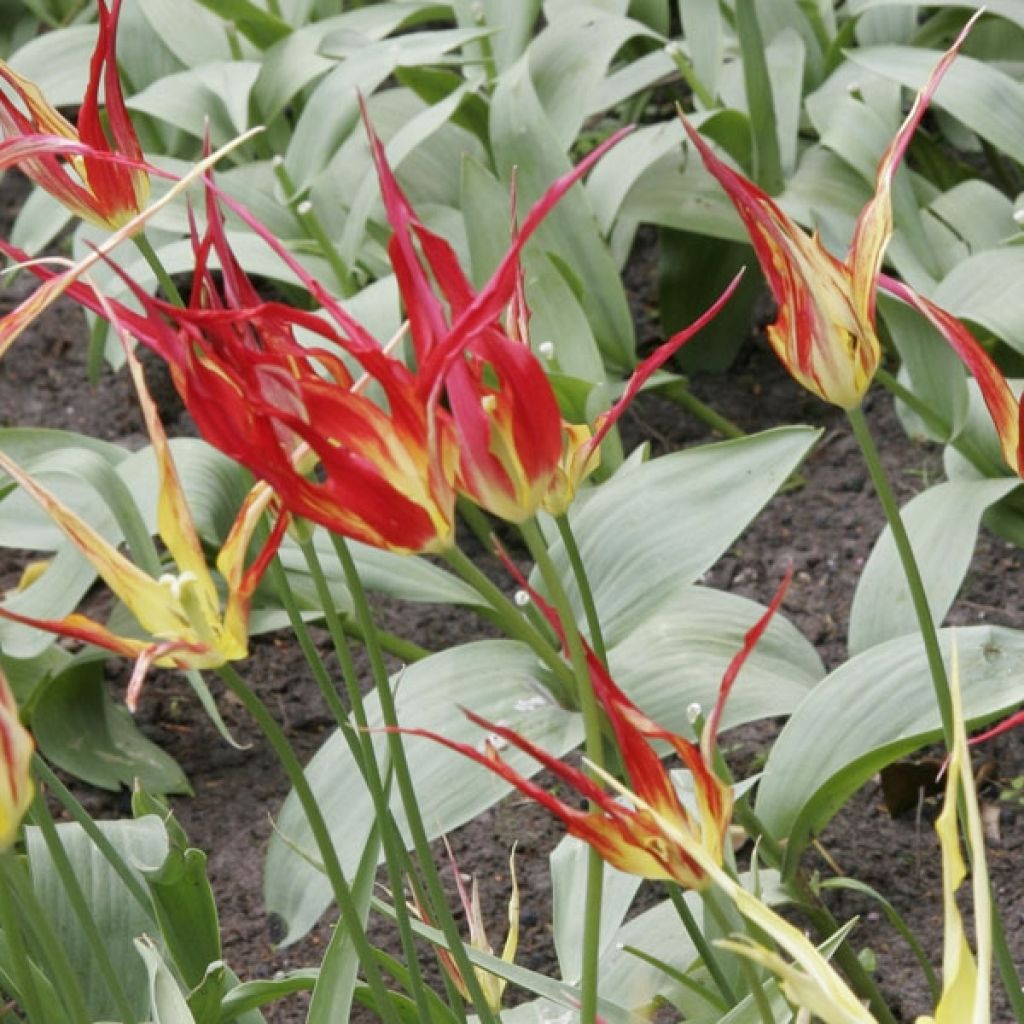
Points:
[874,225]
[1002,406]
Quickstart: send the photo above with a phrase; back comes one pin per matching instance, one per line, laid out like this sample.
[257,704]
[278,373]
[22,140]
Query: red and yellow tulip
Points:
[181,610]
[16,789]
[630,833]
[824,332]
[810,983]
[516,452]
[75,165]
[491,985]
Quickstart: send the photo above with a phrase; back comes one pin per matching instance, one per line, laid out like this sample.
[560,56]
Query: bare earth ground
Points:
[826,528]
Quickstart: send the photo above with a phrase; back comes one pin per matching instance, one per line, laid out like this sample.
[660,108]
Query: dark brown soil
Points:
[826,528]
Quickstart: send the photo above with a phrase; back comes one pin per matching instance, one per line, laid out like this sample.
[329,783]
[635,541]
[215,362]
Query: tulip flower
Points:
[491,985]
[76,166]
[809,981]
[516,453]
[16,789]
[181,611]
[631,834]
[824,333]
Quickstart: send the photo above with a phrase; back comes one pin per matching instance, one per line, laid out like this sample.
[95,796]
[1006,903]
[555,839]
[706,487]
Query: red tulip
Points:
[75,166]
[632,838]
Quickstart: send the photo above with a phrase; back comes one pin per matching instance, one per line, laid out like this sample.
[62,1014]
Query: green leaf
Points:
[522,137]
[427,695]
[875,708]
[569,60]
[936,375]
[985,99]
[119,918]
[760,102]
[678,652]
[943,526]
[332,110]
[694,503]
[185,907]
[186,32]
[214,95]
[983,288]
[257,25]
[58,63]
[296,61]
[511,26]
[569,892]
[167,1002]
[702,29]
[39,221]
[79,728]
[691,269]
[1009,9]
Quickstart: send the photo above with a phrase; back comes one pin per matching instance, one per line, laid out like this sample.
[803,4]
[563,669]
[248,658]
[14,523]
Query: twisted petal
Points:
[1003,407]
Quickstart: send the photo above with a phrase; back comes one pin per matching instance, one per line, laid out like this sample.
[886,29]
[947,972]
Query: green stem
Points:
[19,964]
[918,595]
[311,224]
[406,789]
[170,289]
[509,619]
[813,906]
[394,858]
[45,774]
[391,643]
[1004,961]
[476,519]
[690,76]
[80,908]
[60,971]
[329,856]
[707,953]
[679,392]
[583,587]
[747,969]
[594,746]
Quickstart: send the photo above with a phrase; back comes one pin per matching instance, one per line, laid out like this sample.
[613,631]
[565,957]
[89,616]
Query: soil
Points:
[825,528]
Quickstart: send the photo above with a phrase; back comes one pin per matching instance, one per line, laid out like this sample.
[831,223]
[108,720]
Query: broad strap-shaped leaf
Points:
[875,708]
[943,526]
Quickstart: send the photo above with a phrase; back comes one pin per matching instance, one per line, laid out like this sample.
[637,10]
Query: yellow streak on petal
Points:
[146,598]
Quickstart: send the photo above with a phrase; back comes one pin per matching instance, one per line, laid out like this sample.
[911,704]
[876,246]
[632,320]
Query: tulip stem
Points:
[80,908]
[595,753]
[583,587]
[929,634]
[329,856]
[406,789]
[509,618]
[170,289]
[747,968]
[911,571]
[361,746]
[706,952]
[45,774]
[678,391]
[307,217]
